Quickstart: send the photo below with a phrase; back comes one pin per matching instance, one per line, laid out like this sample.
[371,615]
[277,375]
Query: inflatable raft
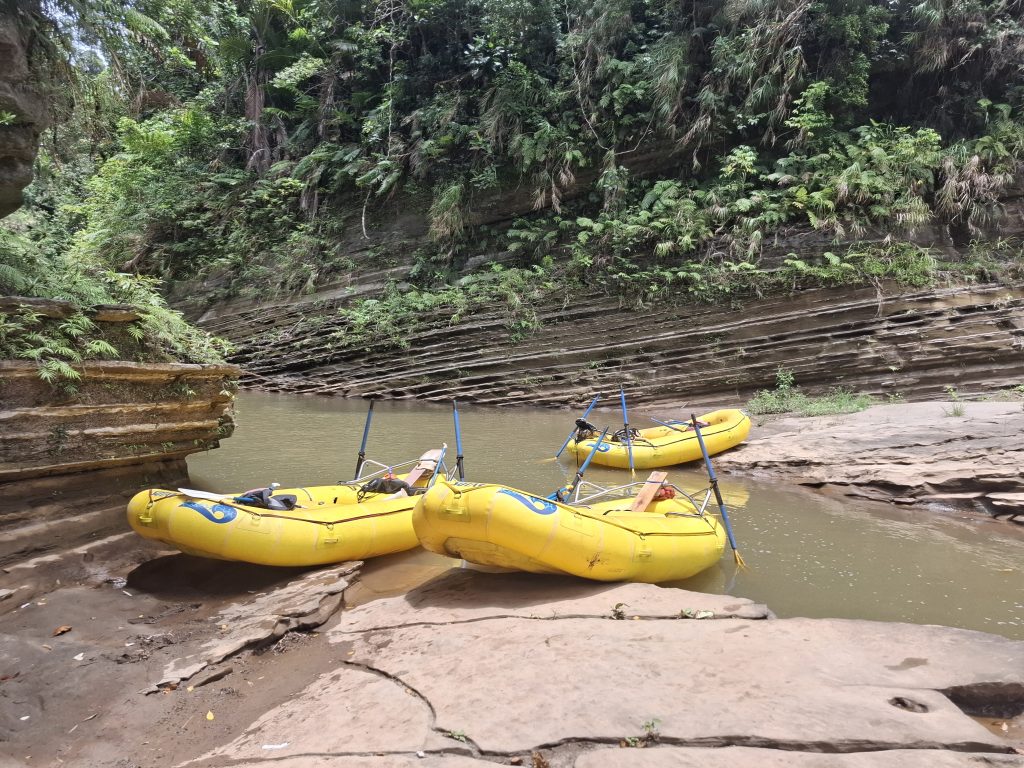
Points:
[664,446]
[659,534]
[289,526]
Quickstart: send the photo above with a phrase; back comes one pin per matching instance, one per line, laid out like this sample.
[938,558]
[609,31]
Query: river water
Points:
[808,554]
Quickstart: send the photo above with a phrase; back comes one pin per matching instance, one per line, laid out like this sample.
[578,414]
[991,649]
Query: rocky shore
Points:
[952,453]
[117,654]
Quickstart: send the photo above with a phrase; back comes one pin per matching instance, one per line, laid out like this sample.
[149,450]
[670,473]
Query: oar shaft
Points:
[625,427]
[670,426]
[458,442]
[714,482]
[584,416]
[566,492]
[437,467]
[590,456]
[362,445]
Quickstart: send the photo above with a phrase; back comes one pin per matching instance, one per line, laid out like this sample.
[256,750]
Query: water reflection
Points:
[809,555]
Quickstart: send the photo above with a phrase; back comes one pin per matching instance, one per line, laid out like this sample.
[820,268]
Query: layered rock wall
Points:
[73,451]
[881,340]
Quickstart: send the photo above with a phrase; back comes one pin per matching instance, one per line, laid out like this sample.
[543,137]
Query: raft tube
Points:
[498,526]
[329,524]
[666,446]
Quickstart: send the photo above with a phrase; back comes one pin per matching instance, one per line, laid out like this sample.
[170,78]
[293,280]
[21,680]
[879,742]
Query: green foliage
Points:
[391,320]
[956,407]
[28,269]
[663,146]
[787,398]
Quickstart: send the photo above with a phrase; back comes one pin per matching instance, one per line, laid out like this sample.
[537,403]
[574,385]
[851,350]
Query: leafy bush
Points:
[787,398]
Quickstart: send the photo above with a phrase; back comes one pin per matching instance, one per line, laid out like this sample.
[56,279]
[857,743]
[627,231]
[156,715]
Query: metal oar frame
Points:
[449,474]
[626,491]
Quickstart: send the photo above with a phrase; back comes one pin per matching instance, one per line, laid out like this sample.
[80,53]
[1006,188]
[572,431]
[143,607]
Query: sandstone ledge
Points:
[881,341]
[71,458]
[458,680]
[901,452]
[118,413]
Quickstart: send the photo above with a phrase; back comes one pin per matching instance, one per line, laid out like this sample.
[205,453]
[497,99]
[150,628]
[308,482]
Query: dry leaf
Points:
[61,630]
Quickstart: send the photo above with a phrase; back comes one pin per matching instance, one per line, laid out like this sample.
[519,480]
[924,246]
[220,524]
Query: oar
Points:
[205,495]
[718,494]
[458,442]
[670,426]
[584,416]
[625,421]
[437,467]
[362,446]
[566,492]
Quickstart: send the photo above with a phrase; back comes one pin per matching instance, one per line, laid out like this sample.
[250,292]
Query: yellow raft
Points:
[328,524]
[665,446]
[639,538]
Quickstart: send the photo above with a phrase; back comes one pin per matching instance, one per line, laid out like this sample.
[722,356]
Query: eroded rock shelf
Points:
[883,341]
[74,456]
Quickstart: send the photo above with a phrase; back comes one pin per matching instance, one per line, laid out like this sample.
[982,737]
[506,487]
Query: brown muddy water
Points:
[808,554]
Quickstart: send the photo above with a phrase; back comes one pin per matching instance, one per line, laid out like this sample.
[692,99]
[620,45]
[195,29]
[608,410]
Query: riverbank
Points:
[186,662]
[122,655]
[954,453]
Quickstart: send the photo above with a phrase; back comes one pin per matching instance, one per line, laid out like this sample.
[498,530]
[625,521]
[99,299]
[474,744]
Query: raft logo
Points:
[540,506]
[602,448]
[219,513]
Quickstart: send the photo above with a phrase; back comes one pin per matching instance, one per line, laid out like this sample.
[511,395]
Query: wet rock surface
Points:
[78,659]
[475,669]
[951,453]
[305,602]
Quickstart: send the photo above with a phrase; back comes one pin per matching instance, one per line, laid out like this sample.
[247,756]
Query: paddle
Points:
[437,467]
[625,421]
[584,416]
[362,446]
[564,493]
[718,494]
[205,495]
[458,442]
[670,426]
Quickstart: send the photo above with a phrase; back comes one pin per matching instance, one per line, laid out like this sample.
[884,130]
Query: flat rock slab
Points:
[349,711]
[467,595]
[305,602]
[669,757]
[454,673]
[368,761]
[909,452]
[745,757]
[511,685]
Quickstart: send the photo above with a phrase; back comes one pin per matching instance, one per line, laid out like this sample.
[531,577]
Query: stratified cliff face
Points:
[881,341]
[73,452]
[23,113]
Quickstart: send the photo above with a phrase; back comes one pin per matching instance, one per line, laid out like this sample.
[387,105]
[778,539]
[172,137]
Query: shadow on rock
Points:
[183,577]
[469,588]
